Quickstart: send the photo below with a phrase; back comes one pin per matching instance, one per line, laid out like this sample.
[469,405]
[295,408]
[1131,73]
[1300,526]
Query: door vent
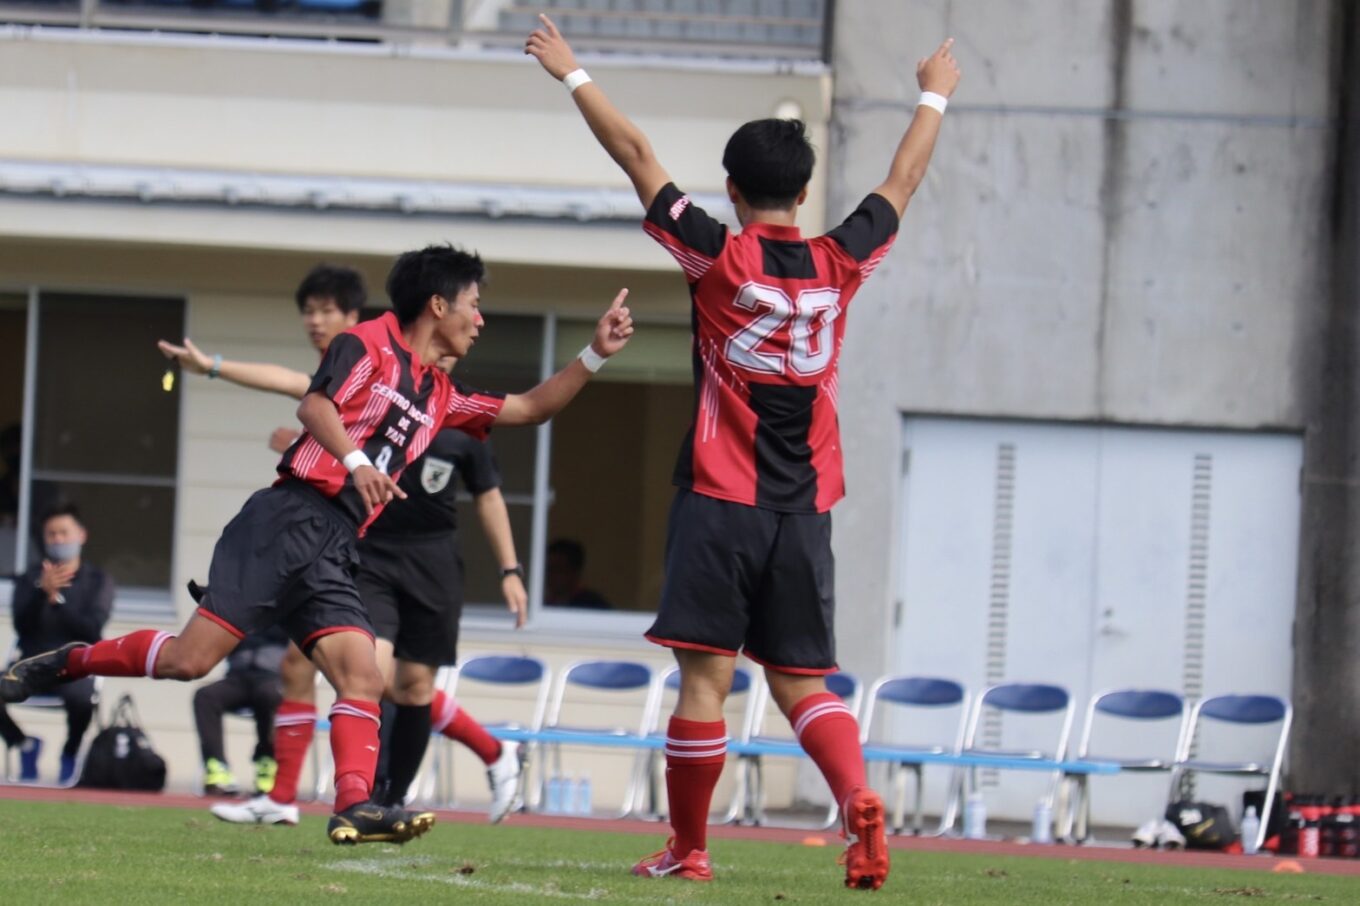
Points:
[1196,590]
[1003,523]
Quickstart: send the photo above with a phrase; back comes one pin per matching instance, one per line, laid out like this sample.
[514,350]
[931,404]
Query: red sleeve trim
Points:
[694,264]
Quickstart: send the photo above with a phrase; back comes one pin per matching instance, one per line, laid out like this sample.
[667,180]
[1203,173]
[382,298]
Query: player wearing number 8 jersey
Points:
[748,549]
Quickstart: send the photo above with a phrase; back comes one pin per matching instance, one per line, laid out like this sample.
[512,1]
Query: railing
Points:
[739,29]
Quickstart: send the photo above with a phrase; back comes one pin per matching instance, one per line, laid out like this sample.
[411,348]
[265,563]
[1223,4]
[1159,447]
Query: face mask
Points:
[63,551]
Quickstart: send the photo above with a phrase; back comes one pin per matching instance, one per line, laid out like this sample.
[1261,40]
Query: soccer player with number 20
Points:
[748,552]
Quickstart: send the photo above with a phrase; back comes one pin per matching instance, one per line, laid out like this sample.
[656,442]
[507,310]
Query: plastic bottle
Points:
[583,805]
[568,796]
[1251,828]
[554,803]
[975,817]
[1042,831]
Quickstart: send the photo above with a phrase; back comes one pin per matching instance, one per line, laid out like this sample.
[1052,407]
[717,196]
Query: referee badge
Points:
[435,474]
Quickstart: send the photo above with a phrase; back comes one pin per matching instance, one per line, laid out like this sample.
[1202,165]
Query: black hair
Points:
[333,281]
[61,509]
[770,161]
[436,270]
[572,551]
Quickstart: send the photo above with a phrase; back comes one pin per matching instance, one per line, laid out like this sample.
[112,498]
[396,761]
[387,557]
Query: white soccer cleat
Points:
[260,810]
[503,775]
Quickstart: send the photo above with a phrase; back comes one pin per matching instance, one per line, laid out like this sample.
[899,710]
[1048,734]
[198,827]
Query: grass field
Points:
[77,853]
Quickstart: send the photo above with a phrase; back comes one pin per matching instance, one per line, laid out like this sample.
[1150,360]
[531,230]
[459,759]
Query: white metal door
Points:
[1095,557]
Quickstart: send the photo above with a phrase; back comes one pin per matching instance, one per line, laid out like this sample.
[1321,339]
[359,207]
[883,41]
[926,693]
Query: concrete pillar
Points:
[1325,750]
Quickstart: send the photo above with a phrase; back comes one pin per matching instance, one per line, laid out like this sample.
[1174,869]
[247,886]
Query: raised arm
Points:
[255,375]
[495,519]
[620,137]
[322,420]
[938,74]
[550,397]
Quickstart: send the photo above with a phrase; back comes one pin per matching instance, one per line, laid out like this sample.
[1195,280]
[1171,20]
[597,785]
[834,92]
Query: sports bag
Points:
[121,757]
[1203,824]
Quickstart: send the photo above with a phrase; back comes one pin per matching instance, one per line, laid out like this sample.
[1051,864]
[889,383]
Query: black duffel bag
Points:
[1203,824]
[121,757]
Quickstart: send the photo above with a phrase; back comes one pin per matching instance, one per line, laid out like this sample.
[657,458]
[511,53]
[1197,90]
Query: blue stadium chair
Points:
[1031,700]
[498,674]
[759,745]
[1152,710]
[625,685]
[740,713]
[893,696]
[1237,720]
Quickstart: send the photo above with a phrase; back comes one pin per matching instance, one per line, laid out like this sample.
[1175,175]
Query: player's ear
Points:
[802,197]
[733,193]
[437,306]
[351,318]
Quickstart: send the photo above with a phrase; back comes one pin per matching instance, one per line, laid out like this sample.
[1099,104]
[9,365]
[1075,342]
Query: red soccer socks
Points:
[354,746]
[294,725]
[133,654]
[448,718]
[829,733]
[695,753]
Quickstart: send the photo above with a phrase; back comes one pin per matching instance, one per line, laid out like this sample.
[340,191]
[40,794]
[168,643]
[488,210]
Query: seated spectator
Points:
[252,682]
[562,583]
[60,600]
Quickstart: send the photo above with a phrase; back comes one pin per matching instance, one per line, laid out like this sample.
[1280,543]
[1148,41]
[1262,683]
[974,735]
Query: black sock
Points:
[410,738]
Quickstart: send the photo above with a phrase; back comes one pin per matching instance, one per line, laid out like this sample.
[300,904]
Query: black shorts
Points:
[413,589]
[740,578]
[287,558]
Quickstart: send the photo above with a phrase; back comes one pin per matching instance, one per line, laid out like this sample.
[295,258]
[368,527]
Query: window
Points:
[605,481]
[613,451]
[507,359]
[80,370]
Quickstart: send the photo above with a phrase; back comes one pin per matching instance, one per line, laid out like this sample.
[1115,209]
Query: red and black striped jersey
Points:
[768,317]
[391,405]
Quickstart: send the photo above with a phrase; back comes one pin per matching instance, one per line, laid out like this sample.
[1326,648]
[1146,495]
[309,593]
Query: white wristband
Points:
[591,359]
[934,101]
[575,79]
[355,459]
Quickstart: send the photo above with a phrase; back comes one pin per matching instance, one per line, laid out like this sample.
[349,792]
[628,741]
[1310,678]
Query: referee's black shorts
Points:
[413,589]
[288,558]
[742,578]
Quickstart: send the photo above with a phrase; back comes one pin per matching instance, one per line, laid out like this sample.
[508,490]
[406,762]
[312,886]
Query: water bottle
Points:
[1042,832]
[554,803]
[567,795]
[1251,827]
[583,806]
[975,817]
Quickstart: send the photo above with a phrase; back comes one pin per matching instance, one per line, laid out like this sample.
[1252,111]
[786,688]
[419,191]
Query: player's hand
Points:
[282,438]
[375,489]
[547,45]
[189,356]
[516,598]
[54,577]
[614,329]
[939,72]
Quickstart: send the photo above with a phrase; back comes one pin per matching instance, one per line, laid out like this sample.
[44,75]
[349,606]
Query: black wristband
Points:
[516,570]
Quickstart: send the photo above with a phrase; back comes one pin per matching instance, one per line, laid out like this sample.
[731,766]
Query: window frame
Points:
[141,604]
[485,621]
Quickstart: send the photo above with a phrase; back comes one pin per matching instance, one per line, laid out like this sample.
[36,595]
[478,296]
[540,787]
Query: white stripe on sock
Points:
[154,651]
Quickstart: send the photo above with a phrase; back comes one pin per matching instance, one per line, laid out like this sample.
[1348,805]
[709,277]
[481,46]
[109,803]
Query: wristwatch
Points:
[516,570]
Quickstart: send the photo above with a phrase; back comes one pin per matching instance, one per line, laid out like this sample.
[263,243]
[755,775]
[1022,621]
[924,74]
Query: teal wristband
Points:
[216,370]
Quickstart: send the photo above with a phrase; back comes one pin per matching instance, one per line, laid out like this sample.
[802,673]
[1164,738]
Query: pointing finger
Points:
[618,300]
